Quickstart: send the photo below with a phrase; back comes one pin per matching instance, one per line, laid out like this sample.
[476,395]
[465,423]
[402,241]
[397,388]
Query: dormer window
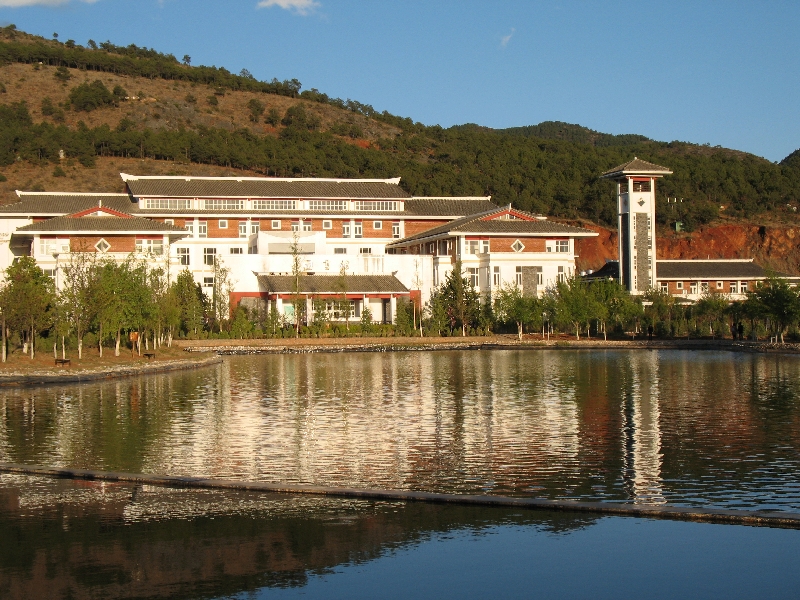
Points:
[102,246]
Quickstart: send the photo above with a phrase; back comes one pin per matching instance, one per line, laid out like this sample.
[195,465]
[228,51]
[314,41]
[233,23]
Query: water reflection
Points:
[648,427]
[83,539]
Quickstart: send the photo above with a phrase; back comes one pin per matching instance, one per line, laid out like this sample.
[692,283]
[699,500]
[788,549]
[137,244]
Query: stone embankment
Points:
[497,342]
[61,375]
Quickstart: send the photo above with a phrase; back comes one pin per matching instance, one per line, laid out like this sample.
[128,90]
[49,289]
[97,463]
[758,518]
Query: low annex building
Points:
[366,239]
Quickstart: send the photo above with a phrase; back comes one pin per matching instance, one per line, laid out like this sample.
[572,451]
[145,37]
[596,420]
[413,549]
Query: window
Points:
[365,250]
[496,276]
[169,221]
[562,246]
[345,230]
[276,224]
[295,225]
[380,205]
[358,229]
[223,223]
[704,287]
[562,276]
[539,278]
[51,246]
[518,246]
[208,282]
[242,229]
[202,229]
[273,204]
[327,205]
[189,226]
[719,285]
[693,287]
[473,246]
[224,204]
[396,230]
[150,246]
[255,227]
[641,186]
[102,246]
[166,203]
[377,224]
[485,246]
[340,250]
[518,273]
[679,285]
[742,287]
[183,256]
[237,250]
[473,276]
[432,248]
[327,224]
[306,225]
[733,288]
[664,288]
[209,254]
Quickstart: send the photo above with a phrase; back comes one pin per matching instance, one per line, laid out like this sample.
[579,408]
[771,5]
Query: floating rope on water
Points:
[784,520]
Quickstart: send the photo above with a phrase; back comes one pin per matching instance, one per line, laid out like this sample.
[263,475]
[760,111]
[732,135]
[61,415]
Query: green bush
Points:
[90,96]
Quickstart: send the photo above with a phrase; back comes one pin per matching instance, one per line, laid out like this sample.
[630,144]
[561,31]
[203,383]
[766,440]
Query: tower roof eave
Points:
[637,166]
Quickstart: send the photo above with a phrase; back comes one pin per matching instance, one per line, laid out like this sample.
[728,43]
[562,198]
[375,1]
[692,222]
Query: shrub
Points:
[63,74]
[190,99]
[89,96]
[59,172]
[212,101]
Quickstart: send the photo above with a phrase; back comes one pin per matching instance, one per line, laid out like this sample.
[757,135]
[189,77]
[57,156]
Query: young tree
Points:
[190,298]
[297,299]
[221,292]
[780,302]
[573,304]
[78,292]
[462,301]
[344,302]
[27,300]
[511,306]
[710,309]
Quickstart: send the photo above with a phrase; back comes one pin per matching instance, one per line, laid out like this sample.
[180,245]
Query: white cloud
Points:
[301,7]
[18,3]
[507,38]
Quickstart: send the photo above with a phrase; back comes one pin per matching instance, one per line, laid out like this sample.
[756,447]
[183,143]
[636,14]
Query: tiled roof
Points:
[457,207]
[708,269]
[66,204]
[331,284]
[188,187]
[99,225]
[476,224]
[637,166]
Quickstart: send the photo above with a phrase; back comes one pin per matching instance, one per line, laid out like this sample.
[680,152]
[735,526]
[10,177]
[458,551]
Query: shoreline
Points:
[221,348]
[49,377]
[497,342]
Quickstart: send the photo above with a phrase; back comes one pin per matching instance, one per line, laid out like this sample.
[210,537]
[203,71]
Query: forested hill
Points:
[103,100]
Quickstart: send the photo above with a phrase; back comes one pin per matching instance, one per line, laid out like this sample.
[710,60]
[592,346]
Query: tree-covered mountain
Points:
[86,107]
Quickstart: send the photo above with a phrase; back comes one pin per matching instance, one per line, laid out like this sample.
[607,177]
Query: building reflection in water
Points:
[647,427]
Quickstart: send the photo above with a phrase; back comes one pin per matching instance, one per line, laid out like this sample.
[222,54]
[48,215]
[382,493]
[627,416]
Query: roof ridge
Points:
[128,177]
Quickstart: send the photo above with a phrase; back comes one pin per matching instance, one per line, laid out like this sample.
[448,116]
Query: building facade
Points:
[366,239]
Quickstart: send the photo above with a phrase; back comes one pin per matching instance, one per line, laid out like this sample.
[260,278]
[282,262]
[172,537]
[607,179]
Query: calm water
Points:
[680,427]
[63,539]
[690,428]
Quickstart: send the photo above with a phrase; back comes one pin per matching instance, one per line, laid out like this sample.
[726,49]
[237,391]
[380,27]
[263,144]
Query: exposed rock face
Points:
[774,247]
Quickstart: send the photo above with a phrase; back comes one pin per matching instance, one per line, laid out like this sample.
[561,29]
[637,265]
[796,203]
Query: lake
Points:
[711,429]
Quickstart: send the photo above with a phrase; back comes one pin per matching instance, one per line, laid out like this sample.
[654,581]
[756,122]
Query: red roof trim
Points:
[104,209]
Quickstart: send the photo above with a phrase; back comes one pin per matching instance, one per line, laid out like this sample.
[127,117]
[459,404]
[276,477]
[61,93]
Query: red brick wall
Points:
[415,227]
[119,243]
[504,244]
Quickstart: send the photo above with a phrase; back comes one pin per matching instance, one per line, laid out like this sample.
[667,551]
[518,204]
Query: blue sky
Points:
[725,73]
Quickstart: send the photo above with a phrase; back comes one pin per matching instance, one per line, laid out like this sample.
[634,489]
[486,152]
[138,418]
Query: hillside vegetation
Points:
[104,104]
